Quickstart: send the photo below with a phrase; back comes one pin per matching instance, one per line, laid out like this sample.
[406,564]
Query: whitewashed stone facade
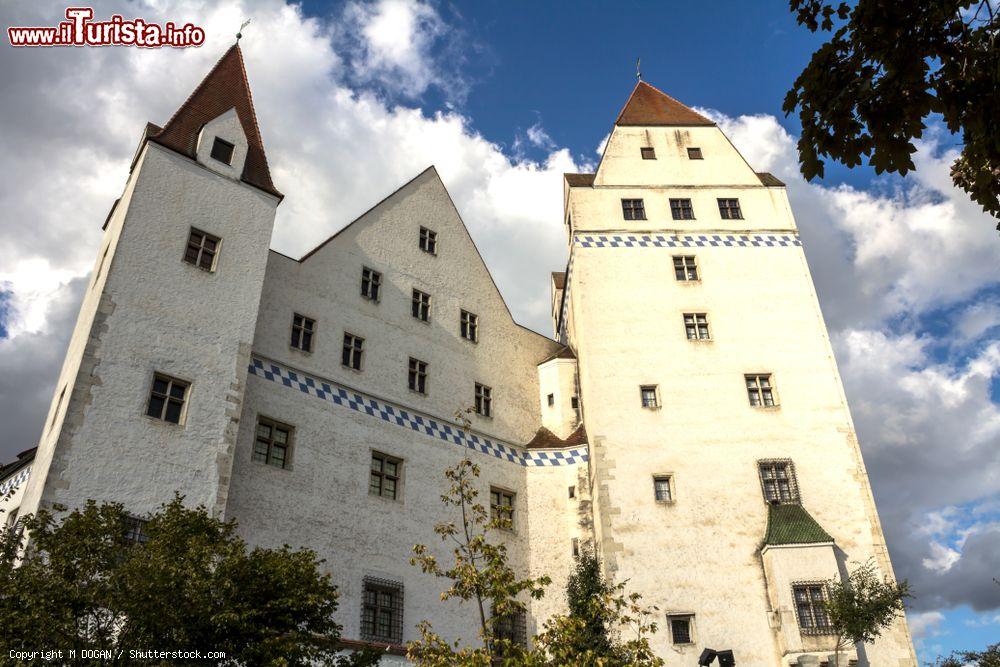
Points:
[568,436]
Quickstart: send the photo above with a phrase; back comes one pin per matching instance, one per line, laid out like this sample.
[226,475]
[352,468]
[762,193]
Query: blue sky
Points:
[354,98]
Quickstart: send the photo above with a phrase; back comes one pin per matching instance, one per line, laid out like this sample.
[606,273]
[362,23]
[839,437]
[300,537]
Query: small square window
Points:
[685,268]
[167,398]
[202,249]
[810,608]
[418,376]
[633,209]
[650,396]
[273,443]
[384,476]
[371,284]
[696,326]
[729,209]
[695,154]
[354,350]
[428,240]
[760,391]
[382,611]
[502,507]
[777,478]
[222,151]
[680,629]
[469,326]
[303,329]
[551,399]
[648,153]
[484,400]
[681,209]
[661,489]
[420,306]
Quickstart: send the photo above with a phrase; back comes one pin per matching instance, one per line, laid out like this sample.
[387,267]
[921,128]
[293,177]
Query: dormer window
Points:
[648,153]
[222,151]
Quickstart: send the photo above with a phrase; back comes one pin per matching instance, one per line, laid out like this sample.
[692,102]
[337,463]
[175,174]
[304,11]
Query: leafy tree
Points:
[863,606]
[189,584]
[988,658]
[584,586]
[887,66]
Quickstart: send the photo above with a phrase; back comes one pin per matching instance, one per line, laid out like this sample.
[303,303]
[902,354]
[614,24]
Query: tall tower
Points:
[168,317]
[728,481]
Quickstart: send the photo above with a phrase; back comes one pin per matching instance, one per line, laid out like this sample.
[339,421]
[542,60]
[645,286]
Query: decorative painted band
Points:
[14,481]
[337,394]
[686,240]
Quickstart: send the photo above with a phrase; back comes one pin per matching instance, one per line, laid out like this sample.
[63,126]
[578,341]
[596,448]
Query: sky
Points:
[356,98]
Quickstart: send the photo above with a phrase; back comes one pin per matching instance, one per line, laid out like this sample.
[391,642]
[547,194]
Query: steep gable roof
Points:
[650,106]
[225,87]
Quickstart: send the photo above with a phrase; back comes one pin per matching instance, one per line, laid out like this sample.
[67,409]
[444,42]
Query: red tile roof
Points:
[650,106]
[224,88]
[546,439]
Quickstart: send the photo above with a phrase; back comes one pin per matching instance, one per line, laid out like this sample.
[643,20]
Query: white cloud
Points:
[942,558]
[924,624]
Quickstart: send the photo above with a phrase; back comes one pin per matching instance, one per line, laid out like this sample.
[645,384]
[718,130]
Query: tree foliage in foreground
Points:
[988,658]
[886,67]
[192,586]
[479,574]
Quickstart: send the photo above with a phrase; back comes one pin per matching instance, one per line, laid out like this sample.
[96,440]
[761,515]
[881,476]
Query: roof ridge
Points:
[655,107]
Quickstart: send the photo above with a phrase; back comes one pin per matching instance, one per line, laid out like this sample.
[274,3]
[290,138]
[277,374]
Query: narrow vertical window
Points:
[760,391]
[681,209]
[420,306]
[222,151]
[572,492]
[469,326]
[685,268]
[696,326]
[371,284]
[729,209]
[649,393]
[777,478]
[303,329]
[484,400]
[354,350]
[428,241]
[661,489]
[551,399]
[695,154]
[648,153]
[502,507]
[273,443]
[167,398]
[418,376]
[202,249]
[384,476]
[633,209]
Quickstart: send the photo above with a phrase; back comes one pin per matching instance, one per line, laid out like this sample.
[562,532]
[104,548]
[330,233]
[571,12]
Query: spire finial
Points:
[638,72]
[239,34]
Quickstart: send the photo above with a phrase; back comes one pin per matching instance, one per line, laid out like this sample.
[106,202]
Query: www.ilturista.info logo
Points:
[80,30]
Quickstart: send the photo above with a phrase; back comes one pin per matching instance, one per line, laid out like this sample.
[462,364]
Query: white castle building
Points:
[687,420]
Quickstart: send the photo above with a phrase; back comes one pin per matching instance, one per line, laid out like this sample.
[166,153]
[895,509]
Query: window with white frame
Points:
[760,390]
[696,326]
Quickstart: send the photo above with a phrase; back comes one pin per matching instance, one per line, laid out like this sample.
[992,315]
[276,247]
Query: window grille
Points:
[382,611]
[777,478]
[810,608]
[680,629]
[513,628]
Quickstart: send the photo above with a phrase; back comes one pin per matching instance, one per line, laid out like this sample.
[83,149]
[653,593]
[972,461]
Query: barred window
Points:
[661,489]
[695,154]
[760,391]
[202,249]
[648,153]
[354,350]
[681,209]
[222,151]
[680,628]
[513,628]
[685,268]
[421,306]
[649,394]
[428,240]
[469,326]
[729,209]
[382,611]
[810,608]
[696,326]
[418,376]
[484,400]
[303,329]
[384,479]
[371,284]
[777,477]
[167,398]
[273,443]
[633,209]
[502,505]
[135,530]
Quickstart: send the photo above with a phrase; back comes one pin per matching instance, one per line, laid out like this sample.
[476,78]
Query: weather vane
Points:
[638,72]
[240,33]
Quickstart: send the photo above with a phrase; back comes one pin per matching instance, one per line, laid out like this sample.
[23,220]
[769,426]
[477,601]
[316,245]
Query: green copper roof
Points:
[791,524]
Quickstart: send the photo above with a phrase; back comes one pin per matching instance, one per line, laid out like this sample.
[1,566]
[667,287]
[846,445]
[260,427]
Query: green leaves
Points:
[864,605]
[887,66]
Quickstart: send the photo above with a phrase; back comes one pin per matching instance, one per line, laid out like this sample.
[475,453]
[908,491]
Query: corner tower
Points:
[727,474]
[148,400]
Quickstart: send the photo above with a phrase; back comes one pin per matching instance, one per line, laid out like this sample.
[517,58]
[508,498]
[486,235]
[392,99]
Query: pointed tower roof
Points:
[650,106]
[222,89]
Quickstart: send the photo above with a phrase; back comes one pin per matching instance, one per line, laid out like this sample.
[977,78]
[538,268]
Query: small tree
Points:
[863,606]
[988,658]
[187,582]
[584,586]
